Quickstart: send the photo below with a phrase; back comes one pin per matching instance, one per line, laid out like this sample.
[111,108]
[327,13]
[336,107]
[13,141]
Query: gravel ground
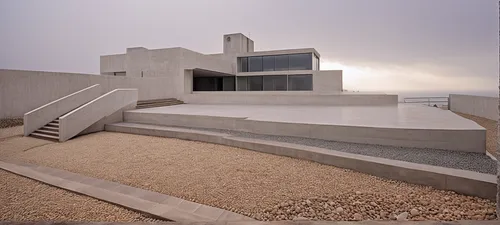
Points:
[491,130]
[11,122]
[11,132]
[264,186]
[451,159]
[23,199]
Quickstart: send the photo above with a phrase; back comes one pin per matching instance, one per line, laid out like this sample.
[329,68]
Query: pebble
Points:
[299,218]
[402,216]
[414,212]
[357,217]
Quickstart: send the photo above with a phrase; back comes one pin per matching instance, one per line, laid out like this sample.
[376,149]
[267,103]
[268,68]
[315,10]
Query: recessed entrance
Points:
[206,80]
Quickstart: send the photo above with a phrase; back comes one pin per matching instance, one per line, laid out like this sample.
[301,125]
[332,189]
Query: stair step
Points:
[168,102]
[49,128]
[155,105]
[44,136]
[48,132]
[56,121]
[156,100]
[162,103]
[52,124]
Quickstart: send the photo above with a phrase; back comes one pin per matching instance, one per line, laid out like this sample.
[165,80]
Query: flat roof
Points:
[280,52]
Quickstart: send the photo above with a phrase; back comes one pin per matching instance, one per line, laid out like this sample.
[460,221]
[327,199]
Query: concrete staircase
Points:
[158,103]
[50,131]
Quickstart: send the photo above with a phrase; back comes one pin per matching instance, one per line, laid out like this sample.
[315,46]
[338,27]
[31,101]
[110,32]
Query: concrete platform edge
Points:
[460,181]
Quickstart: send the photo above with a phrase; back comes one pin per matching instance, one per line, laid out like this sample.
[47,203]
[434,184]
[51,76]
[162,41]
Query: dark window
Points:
[281,62]
[300,82]
[300,61]
[228,84]
[243,64]
[275,83]
[254,83]
[268,63]
[242,83]
[207,84]
[255,64]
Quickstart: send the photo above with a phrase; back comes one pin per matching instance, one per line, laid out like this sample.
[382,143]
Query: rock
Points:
[339,210]
[414,212]
[357,217]
[402,216]
[328,211]
[358,192]
[308,202]
[373,204]
[383,214]
[392,217]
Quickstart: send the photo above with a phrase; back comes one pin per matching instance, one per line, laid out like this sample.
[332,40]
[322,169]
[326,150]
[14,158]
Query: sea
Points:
[438,98]
[412,94]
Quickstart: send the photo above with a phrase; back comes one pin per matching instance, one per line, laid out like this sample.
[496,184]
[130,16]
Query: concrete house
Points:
[238,69]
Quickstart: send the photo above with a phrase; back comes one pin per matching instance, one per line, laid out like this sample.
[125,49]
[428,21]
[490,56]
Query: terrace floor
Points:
[400,116]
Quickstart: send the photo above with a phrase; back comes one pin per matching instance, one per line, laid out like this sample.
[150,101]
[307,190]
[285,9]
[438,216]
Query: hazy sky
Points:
[380,44]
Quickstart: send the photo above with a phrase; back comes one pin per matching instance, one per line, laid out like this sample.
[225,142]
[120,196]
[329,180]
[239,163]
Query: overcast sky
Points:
[380,44]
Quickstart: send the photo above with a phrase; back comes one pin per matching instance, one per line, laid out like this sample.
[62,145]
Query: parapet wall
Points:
[482,106]
[22,91]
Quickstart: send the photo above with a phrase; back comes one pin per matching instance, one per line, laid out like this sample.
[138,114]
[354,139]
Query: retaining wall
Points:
[482,106]
[22,91]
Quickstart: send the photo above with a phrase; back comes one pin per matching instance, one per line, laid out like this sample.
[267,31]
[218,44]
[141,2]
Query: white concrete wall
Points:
[327,81]
[90,113]
[42,115]
[287,98]
[113,63]
[22,91]
[482,106]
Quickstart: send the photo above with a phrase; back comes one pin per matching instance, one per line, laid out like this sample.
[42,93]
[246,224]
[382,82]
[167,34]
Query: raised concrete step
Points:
[461,181]
[37,134]
[53,124]
[158,103]
[156,100]
[50,128]
[153,203]
[48,132]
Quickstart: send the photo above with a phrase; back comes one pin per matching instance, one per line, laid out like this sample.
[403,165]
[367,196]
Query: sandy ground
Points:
[23,199]
[244,181]
[491,131]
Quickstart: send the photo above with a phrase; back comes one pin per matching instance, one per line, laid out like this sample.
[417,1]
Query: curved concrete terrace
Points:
[461,181]
[401,125]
